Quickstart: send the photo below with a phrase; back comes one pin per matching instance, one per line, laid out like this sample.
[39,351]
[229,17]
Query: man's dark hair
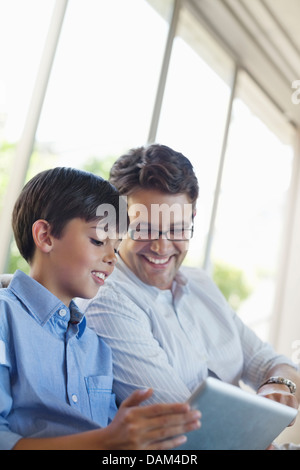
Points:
[155,167]
[57,196]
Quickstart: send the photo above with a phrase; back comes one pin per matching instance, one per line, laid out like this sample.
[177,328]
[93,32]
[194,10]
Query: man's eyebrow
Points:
[144,224]
[179,223]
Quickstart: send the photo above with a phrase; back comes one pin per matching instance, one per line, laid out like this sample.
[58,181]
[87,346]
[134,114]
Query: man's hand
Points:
[279,393]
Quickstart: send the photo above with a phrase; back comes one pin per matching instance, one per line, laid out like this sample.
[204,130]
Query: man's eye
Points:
[96,242]
[176,231]
[145,232]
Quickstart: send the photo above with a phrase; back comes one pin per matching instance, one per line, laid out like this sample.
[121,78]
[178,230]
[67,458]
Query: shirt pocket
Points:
[102,400]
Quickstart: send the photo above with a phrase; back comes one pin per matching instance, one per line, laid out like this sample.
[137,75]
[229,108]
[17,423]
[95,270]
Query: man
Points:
[168,325]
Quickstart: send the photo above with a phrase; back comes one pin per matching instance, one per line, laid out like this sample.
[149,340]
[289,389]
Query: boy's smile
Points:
[99,277]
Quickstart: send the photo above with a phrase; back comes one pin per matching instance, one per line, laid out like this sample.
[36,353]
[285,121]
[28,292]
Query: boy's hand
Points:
[159,426]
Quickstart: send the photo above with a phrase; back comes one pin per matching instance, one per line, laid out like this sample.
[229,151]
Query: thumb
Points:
[137,397]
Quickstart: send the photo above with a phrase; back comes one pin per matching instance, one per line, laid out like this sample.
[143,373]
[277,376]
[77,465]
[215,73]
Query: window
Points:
[252,205]
[101,89]
[99,104]
[103,83]
[23,29]
[194,113]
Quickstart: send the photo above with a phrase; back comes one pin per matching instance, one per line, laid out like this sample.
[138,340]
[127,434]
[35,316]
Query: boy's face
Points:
[80,262]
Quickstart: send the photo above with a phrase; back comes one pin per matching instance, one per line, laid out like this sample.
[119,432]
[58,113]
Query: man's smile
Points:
[157,261]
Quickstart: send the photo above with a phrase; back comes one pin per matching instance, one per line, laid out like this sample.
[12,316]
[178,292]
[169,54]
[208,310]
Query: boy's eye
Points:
[96,242]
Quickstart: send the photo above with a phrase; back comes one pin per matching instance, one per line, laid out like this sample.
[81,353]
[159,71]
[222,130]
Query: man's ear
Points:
[41,232]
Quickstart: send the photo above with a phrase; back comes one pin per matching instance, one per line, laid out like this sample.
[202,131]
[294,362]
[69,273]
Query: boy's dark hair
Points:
[57,196]
[155,167]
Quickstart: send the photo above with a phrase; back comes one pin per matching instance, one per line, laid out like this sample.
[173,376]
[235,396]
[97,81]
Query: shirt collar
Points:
[77,317]
[40,302]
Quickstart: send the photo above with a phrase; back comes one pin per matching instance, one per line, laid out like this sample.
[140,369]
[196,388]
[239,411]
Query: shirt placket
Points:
[75,393]
[197,352]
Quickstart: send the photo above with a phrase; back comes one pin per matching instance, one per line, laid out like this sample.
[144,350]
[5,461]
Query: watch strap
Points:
[282,381]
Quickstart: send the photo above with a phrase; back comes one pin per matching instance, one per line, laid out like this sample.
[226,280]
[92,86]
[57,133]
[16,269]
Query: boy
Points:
[55,373]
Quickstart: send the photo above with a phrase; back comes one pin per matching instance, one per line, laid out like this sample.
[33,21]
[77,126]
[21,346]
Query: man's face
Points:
[156,261]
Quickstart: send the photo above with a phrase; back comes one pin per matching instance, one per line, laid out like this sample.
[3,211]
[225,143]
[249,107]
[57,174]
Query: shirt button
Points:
[62,312]
[74,398]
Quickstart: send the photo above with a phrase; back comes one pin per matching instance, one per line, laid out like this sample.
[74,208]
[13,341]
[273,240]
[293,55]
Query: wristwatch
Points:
[282,381]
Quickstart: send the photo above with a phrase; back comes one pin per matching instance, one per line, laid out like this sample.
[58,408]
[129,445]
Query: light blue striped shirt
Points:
[171,340]
[55,373]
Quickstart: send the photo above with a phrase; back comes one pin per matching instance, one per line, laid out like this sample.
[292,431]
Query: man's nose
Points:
[160,246]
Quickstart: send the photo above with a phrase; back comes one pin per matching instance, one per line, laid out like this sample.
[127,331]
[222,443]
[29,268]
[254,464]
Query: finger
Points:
[168,444]
[271,447]
[164,409]
[167,430]
[283,398]
[172,437]
[175,419]
[136,398]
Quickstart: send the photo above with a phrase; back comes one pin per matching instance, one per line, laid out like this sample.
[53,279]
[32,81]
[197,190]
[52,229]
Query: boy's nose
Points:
[110,257]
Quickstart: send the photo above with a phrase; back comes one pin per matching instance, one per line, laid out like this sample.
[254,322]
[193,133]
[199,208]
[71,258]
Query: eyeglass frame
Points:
[160,233]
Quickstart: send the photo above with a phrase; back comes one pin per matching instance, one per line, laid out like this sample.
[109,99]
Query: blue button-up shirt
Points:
[55,373]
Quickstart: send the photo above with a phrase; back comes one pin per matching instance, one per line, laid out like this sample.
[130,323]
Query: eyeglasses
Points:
[174,234]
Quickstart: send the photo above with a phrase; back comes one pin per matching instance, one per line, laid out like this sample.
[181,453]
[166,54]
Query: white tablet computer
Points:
[235,419]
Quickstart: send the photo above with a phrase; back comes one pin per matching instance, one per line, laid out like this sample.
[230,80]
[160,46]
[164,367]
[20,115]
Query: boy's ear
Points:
[41,232]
